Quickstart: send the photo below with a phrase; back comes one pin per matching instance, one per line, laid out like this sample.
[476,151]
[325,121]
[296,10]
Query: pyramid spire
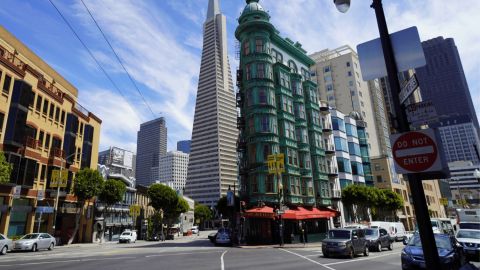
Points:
[213,9]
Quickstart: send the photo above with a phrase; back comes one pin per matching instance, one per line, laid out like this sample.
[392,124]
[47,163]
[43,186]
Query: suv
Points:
[128,237]
[378,239]
[346,242]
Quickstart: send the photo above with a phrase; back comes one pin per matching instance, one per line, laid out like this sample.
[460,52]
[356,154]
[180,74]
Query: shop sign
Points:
[44,209]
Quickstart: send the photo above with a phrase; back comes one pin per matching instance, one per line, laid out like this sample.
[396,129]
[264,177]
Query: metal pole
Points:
[280,197]
[429,246]
[57,197]
[39,222]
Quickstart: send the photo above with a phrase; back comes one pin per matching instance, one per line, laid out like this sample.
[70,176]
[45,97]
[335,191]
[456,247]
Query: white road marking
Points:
[363,259]
[221,260]
[308,259]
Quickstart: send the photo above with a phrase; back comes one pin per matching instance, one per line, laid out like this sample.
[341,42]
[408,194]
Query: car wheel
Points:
[326,255]
[390,246]
[4,250]
[351,254]
[51,246]
[379,247]
[34,247]
[365,251]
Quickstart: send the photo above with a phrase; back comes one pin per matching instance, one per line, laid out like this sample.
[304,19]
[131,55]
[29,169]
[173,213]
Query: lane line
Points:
[308,259]
[363,259]
[176,254]
[221,260]
[65,261]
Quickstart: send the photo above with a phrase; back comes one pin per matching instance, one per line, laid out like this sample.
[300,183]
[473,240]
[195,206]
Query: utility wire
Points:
[118,58]
[88,50]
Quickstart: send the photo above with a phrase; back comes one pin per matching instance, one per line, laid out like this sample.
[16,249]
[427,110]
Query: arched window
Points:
[293,66]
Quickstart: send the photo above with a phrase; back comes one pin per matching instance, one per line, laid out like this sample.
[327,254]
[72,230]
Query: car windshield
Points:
[339,234]
[223,230]
[30,236]
[468,234]
[440,240]
[126,233]
[372,232]
[471,226]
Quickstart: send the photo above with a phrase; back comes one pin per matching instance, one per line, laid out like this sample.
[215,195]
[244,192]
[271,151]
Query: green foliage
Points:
[392,201]
[5,169]
[112,191]
[162,197]
[88,184]
[202,213]
[224,209]
[173,213]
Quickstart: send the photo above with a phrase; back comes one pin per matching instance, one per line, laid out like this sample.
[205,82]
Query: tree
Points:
[224,209]
[162,198]
[172,214]
[112,193]
[88,184]
[5,169]
[202,213]
[392,201]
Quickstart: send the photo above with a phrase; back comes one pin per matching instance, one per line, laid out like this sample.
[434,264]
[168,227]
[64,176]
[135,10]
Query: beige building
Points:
[42,129]
[339,79]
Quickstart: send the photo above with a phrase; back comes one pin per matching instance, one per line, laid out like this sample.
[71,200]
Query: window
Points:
[52,110]
[262,97]
[293,66]
[250,98]
[2,118]
[350,83]
[341,144]
[305,74]
[47,141]
[38,105]
[57,114]
[266,151]
[254,184]
[261,71]
[6,84]
[348,64]
[278,57]
[40,137]
[284,80]
[45,107]
[297,88]
[329,87]
[43,173]
[338,124]
[326,69]
[63,117]
[265,123]
[259,48]
[248,71]
[379,179]
[269,183]
[246,48]
[351,130]
[349,74]
[354,149]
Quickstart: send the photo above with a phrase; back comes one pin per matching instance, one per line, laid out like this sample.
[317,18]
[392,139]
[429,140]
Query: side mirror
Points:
[405,241]
[355,237]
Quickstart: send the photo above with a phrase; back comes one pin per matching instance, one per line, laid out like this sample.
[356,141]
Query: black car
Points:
[378,238]
[450,252]
[345,242]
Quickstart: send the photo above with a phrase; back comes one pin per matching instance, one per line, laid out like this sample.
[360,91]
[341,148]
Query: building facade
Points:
[42,129]
[443,80]
[151,145]
[172,170]
[465,183]
[184,146]
[213,161]
[280,113]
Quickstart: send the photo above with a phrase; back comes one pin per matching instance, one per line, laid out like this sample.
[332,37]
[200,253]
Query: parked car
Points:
[128,237]
[223,237]
[345,242]
[34,242]
[355,226]
[378,239]
[470,240]
[5,244]
[449,250]
[442,226]
[195,230]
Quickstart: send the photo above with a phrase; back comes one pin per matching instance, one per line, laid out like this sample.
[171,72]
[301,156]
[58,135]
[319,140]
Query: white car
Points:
[34,242]
[5,244]
[470,240]
[128,237]
[195,229]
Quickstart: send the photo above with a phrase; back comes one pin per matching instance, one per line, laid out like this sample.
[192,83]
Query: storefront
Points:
[19,215]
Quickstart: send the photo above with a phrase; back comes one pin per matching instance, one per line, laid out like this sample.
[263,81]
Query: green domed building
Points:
[280,113]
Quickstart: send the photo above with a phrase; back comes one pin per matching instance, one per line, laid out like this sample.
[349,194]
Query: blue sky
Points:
[160,42]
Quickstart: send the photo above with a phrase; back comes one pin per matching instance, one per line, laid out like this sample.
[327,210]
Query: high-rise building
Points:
[443,80]
[339,78]
[184,146]
[43,129]
[213,159]
[280,113]
[173,170]
[151,145]
[465,183]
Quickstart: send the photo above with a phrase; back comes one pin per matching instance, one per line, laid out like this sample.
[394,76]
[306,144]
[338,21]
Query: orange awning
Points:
[301,213]
[260,212]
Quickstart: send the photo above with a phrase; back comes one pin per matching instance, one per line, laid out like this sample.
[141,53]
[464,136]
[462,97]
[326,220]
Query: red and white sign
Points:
[416,152]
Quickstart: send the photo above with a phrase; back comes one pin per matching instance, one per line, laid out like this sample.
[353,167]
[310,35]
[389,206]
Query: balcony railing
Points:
[324,108]
[332,171]
[10,60]
[327,127]
[57,152]
[329,148]
[49,87]
[32,143]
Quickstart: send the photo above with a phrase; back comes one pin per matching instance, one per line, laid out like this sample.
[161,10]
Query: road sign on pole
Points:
[421,113]
[416,152]
[408,88]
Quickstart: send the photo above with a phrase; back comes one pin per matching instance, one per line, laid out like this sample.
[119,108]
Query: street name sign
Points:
[421,113]
[408,88]
[416,152]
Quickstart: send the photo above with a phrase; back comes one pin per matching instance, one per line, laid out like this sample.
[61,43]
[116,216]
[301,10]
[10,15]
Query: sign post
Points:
[408,88]
[421,113]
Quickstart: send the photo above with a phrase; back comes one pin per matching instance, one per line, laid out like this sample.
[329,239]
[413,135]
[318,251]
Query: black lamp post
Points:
[401,125]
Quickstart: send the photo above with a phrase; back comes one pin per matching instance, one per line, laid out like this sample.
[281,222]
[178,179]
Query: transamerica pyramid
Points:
[213,158]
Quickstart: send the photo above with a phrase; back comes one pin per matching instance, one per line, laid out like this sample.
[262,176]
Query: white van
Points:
[398,231]
[128,237]
[384,225]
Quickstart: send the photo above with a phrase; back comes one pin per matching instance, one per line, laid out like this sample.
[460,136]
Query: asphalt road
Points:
[192,253]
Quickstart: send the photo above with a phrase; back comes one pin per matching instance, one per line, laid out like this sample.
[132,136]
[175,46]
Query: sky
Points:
[159,43]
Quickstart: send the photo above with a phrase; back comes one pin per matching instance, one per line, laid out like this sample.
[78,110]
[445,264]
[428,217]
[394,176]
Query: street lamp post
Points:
[401,125]
[280,199]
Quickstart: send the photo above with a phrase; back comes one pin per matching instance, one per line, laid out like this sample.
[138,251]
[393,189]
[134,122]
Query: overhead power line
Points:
[118,58]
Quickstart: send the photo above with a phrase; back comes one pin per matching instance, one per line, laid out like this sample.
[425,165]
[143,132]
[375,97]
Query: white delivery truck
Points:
[468,219]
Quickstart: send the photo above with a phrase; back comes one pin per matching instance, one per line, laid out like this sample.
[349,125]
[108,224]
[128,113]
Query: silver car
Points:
[5,244]
[34,242]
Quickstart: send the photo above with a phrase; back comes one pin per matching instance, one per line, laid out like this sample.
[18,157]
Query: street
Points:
[193,252]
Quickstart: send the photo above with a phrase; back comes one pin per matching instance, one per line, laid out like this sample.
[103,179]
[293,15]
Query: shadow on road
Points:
[194,243]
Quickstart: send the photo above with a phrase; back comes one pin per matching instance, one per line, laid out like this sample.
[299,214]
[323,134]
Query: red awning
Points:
[260,212]
[302,213]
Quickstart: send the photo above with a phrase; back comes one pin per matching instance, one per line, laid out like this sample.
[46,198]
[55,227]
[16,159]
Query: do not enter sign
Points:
[416,152]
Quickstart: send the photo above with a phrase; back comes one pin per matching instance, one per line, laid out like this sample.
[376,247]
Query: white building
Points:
[465,181]
[172,169]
